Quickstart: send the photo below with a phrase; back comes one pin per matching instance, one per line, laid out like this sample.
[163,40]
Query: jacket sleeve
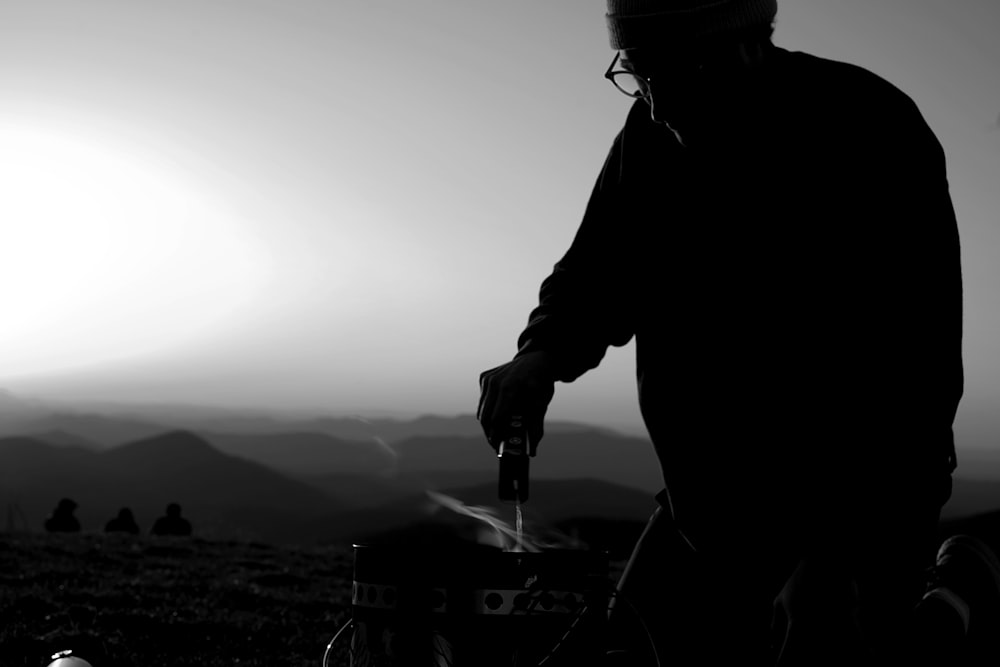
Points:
[913,308]
[587,302]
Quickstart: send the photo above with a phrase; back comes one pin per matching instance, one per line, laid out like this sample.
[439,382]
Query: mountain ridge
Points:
[147,475]
[117,424]
[225,495]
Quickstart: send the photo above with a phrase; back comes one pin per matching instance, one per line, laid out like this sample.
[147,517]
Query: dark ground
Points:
[130,601]
[144,601]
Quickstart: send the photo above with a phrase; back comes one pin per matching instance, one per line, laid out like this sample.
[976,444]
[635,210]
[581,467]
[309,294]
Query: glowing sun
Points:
[105,255]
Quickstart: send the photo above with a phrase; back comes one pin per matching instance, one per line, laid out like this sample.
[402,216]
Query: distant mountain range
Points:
[429,448]
[229,496]
[146,475]
[972,496]
[128,424]
[254,476]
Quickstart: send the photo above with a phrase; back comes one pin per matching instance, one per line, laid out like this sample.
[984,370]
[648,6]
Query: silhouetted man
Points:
[123,523]
[62,519]
[173,523]
[776,233]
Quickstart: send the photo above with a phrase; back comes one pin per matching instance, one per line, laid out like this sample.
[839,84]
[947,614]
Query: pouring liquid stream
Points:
[519,546]
[518,521]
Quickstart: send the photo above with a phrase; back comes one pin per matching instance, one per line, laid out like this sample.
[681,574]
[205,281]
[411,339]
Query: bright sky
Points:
[350,206]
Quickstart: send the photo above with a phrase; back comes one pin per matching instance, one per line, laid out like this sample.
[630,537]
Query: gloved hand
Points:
[523,387]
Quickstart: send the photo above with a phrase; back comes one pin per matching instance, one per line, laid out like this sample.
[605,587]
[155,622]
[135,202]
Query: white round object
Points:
[70,661]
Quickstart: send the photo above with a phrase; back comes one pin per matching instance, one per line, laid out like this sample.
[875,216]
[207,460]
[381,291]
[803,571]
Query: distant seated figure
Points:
[62,519]
[123,523]
[173,523]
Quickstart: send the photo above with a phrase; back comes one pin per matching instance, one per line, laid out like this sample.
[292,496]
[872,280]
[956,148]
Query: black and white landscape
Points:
[276,506]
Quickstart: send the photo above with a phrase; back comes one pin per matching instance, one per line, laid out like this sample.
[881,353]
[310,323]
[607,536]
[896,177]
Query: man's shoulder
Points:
[847,80]
[864,106]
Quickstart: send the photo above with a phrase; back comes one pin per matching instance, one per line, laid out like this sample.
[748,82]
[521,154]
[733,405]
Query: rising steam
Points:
[504,536]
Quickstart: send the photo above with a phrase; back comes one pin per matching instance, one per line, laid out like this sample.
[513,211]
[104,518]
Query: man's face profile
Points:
[695,86]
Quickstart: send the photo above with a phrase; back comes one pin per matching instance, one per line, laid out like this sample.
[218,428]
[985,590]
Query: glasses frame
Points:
[610,76]
[696,68]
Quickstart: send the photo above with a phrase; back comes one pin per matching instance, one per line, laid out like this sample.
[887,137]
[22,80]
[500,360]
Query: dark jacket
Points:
[794,293]
[123,523]
[62,519]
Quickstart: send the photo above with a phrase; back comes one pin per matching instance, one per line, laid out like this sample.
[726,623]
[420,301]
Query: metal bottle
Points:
[513,455]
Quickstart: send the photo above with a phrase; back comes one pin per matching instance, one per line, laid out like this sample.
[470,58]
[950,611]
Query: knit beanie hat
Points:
[639,23]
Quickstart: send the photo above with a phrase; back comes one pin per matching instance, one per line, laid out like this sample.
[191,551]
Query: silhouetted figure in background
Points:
[62,519]
[123,523]
[173,523]
[775,231]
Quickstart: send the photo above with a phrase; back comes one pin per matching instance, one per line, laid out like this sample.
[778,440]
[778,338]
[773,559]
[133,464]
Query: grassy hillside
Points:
[130,602]
[144,601]
[183,602]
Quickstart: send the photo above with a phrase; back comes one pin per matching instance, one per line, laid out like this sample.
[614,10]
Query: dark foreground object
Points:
[479,606]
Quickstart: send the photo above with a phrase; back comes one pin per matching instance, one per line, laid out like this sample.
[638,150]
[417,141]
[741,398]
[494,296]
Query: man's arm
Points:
[585,305]
[588,301]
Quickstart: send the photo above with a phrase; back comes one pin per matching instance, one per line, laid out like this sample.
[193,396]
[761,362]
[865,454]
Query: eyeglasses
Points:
[637,86]
[627,81]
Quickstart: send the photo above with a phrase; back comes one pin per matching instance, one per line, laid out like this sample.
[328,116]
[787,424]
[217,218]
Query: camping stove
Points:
[477,605]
